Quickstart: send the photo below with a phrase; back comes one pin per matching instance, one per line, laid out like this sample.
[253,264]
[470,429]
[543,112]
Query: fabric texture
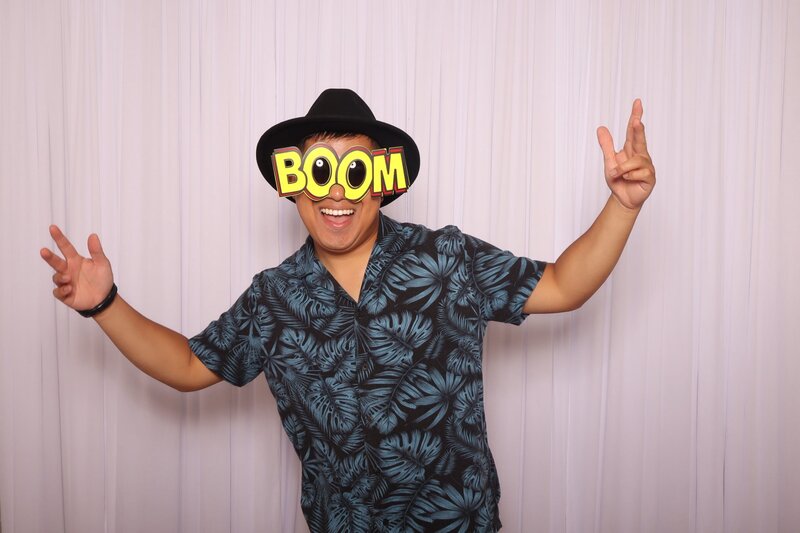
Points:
[669,402]
[382,399]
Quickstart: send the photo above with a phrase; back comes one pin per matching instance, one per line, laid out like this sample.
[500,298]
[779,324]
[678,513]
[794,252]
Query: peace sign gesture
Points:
[81,283]
[630,173]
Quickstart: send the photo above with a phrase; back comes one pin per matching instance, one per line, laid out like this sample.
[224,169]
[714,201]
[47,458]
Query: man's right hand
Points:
[81,283]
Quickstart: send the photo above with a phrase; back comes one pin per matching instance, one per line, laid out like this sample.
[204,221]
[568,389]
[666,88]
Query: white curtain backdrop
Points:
[670,402]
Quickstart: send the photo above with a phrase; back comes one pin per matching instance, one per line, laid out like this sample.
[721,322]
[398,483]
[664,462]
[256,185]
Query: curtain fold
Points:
[669,402]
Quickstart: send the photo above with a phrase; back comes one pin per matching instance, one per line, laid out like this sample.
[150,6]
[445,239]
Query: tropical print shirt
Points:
[381,398]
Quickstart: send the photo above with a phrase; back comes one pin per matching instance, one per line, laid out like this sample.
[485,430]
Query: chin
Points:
[335,246]
[339,227]
[346,239]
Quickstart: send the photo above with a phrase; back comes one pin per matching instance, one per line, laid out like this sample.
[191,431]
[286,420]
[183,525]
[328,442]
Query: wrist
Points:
[103,305]
[622,208]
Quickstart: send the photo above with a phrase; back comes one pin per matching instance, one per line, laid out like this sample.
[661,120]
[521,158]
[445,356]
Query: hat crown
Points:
[340,103]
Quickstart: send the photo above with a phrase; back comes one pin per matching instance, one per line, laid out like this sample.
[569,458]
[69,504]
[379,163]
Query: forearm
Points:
[585,265]
[154,349]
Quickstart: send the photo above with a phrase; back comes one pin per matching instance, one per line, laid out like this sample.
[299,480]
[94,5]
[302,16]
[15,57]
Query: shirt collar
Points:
[388,243]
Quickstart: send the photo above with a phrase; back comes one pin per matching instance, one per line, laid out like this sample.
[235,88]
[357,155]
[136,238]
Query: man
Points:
[370,335]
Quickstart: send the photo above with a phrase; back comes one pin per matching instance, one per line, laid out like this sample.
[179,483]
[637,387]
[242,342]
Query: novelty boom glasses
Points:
[359,171]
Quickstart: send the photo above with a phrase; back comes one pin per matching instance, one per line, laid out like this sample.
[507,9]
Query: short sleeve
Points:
[235,345]
[503,280]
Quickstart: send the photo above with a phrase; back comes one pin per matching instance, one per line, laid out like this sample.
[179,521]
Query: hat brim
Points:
[292,131]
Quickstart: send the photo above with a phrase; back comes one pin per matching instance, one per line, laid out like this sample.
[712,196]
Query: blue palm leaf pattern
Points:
[446,464]
[438,392]
[375,301]
[209,354]
[395,274]
[458,507]
[336,356]
[386,250]
[394,337]
[281,395]
[333,405]
[348,442]
[458,322]
[491,269]
[223,332]
[405,456]
[430,276]
[352,468]
[465,358]
[486,519]
[248,359]
[469,404]
[265,322]
[450,242]
[465,442]
[434,346]
[295,431]
[459,287]
[476,475]
[289,304]
[249,310]
[382,399]
[387,288]
[409,506]
[365,486]
[335,323]
[299,306]
[392,393]
[347,513]
[299,349]
[301,406]
[323,467]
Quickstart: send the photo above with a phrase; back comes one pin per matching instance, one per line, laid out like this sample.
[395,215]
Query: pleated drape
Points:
[670,402]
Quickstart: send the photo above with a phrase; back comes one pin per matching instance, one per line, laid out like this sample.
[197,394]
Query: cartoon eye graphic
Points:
[321,171]
[356,172]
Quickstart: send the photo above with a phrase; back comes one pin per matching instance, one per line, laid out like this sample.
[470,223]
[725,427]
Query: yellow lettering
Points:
[286,168]
[391,179]
[358,192]
[358,171]
[319,153]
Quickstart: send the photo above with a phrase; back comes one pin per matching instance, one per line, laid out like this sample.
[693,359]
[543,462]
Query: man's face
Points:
[339,226]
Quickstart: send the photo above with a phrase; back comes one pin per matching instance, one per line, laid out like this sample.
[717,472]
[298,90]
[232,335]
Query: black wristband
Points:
[88,313]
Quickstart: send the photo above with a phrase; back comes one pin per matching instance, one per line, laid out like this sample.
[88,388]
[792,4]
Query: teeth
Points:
[337,212]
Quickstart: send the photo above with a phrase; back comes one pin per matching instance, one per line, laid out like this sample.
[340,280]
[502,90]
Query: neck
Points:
[338,261]
[348,268]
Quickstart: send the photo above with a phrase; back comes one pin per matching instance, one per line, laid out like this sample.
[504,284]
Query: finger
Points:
[62,292]
[639,140]
[642,174]
[634,163]
[607,145]
[63,243]
[636,114]
[95,248]
[61,279]
[58,264]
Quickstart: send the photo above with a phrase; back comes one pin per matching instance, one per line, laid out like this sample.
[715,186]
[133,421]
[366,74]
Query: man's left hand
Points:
[630,173]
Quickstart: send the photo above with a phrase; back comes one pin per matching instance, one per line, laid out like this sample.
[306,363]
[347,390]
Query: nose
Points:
[336,193]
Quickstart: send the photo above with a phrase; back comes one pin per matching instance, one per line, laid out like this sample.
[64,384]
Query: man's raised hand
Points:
[81,283]
[630,173]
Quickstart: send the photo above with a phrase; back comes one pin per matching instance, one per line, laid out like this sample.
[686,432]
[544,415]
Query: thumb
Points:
[95,248]
[607,145]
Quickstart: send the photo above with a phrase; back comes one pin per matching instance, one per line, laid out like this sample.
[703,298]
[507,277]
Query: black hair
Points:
[319,136]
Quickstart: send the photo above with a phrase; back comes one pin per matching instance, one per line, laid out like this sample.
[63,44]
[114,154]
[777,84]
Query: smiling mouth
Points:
[337,212]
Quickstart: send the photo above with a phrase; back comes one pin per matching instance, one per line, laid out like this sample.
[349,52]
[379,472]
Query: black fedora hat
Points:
[338,111]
